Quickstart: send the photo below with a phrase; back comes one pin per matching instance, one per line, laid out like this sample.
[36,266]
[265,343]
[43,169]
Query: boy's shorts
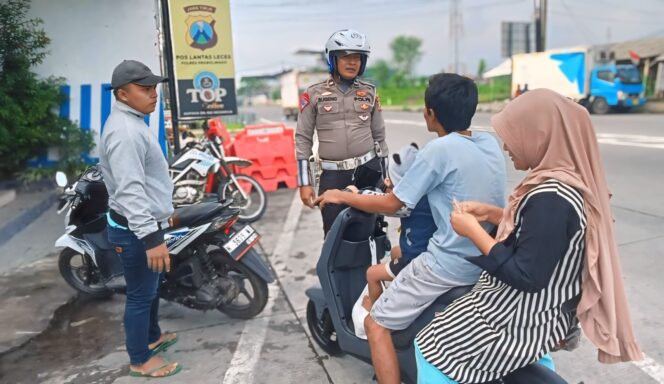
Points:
[411,292]
[395,266]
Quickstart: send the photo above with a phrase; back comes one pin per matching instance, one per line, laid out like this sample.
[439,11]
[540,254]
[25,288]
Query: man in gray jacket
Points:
[140,200]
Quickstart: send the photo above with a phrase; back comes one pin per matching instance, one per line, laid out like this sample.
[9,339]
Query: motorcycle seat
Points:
[192,215]
[403,339]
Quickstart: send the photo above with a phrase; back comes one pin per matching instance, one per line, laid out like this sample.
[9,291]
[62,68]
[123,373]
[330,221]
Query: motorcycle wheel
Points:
[322,330]
[253,290]
[81,274]
[253,207]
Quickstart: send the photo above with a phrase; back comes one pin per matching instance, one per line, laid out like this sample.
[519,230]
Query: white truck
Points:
[574,73]
[293,84]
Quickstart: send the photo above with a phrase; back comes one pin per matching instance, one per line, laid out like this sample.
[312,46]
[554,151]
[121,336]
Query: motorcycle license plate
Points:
[241,242]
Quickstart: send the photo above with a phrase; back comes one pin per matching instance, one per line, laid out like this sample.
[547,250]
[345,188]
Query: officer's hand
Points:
[158,258]
[332,196]
[307,195]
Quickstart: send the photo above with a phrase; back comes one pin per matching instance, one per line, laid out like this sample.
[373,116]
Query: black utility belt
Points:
[121,220]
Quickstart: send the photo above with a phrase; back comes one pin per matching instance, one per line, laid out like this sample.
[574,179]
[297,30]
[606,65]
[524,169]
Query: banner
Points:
[203,57]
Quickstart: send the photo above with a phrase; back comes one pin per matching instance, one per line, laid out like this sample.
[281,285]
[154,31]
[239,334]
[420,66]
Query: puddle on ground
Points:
[80,332]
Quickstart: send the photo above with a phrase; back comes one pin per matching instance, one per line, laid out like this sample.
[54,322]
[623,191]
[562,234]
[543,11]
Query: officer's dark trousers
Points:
[367,175]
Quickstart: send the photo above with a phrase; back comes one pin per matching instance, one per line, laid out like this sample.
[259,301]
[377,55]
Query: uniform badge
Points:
[364,106]
[327,108]
[364,117]
[328,93]
[304,101]
[361,93]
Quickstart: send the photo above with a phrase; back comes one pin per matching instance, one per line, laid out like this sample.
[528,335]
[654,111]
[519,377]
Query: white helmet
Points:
[345,42]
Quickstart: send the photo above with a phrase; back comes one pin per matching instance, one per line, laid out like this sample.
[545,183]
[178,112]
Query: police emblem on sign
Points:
[200,32]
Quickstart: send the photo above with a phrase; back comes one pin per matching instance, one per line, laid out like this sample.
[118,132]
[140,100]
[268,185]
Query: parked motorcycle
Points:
[202,170]
[214,264]
[345,257]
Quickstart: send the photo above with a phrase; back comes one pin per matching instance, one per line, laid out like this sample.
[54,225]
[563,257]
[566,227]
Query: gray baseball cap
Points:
[132,71]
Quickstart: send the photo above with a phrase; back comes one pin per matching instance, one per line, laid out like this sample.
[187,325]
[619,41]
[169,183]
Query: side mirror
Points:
[61,179]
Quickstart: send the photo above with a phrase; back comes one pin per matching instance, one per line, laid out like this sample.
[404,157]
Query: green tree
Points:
[252,86]
[481,68]
[29,123]
[406,53]
[380,73]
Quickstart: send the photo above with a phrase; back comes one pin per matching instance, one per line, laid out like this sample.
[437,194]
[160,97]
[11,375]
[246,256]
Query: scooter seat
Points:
[192,215]
[404,339]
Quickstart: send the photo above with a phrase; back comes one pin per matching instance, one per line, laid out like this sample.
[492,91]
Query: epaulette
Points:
[317,84]
[366,83]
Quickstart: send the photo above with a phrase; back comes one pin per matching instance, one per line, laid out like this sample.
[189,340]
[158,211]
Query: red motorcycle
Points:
[245,192]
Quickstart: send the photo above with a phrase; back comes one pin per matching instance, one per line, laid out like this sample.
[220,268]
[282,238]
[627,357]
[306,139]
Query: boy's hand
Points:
[388,183]
[332,196]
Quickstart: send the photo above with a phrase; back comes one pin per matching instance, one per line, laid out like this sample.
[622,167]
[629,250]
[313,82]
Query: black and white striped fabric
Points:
[497,328]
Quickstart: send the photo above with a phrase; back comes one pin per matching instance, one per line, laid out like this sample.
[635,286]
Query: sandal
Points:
[151,373]
[164,345]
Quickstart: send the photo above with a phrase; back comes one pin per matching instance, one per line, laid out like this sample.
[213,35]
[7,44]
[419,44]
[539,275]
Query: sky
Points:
[266,33]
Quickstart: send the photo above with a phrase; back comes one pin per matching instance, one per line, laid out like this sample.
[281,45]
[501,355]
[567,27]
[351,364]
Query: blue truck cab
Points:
[615,85]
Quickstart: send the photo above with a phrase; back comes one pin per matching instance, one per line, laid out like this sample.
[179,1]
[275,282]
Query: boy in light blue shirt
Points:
[458,165]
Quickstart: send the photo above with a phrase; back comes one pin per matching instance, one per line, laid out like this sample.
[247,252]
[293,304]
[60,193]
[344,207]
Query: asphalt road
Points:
[85,342]
[632,147]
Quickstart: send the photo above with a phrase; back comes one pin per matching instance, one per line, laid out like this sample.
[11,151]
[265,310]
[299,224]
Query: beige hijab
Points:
[555,138]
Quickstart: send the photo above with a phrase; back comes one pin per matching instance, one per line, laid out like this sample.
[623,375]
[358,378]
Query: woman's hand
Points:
[332,196]
[482,212]
[477,209]
[463,223]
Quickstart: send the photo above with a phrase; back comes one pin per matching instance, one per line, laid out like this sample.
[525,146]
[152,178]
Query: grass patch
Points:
[234,127]
[413,96]
[498,88]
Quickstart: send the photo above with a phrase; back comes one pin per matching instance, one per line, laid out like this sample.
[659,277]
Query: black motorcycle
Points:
[214,264]
[345,257]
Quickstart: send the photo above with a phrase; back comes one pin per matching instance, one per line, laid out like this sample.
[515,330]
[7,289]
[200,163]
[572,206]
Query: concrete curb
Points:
[17,224]
[7,196]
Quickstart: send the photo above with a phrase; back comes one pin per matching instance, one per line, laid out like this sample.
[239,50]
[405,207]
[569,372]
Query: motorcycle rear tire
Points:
[222,262]
[64,265]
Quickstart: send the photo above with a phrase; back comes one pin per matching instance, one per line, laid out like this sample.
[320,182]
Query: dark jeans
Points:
[367,175]
[142,305]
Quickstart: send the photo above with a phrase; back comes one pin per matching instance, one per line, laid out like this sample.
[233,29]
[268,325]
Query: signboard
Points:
[203,58]
[515,38]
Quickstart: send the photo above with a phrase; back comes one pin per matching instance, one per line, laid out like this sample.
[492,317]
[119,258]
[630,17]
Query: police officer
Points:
[346,114]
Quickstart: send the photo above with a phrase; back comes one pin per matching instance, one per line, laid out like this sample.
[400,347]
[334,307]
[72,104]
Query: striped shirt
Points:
[513,315]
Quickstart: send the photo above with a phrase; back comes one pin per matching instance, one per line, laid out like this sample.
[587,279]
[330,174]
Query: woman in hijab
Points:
[555,249]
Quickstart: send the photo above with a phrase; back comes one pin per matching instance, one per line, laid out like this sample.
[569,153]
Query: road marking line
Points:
[651,368]
[248,351]
[640,141]
[263,120]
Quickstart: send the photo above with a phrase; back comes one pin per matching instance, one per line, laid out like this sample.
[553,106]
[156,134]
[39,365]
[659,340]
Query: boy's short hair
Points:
[454,100]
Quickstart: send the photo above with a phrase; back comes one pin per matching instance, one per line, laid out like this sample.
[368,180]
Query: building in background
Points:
[88,39]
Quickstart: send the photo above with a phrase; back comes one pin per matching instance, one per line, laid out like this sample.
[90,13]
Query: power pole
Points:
[540,25]
[456,29]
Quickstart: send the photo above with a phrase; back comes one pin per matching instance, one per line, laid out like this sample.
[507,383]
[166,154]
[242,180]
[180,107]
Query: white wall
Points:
[88,39]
